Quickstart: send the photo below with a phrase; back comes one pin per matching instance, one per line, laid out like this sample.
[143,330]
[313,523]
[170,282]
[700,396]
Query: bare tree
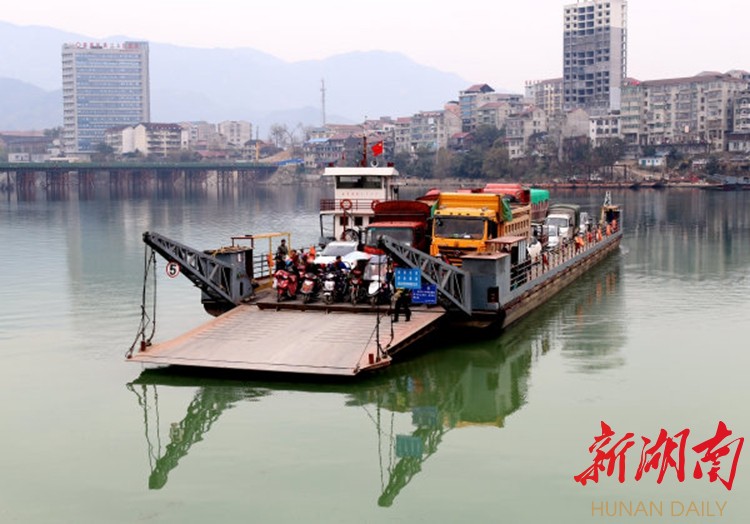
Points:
[279,135]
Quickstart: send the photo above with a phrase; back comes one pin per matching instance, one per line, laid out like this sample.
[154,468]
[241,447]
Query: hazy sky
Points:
[498,42]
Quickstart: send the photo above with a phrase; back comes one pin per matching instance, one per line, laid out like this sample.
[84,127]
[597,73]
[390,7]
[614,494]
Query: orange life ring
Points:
[346,204]
[374,203]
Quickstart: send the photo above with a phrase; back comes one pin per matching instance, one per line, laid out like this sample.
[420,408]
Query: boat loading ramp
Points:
[291,337]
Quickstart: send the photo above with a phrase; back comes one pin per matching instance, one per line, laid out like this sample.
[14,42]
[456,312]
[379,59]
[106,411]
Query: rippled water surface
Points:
[465,430]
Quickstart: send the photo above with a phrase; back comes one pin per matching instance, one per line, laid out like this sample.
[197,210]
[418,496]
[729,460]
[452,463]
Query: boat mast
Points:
[364,149]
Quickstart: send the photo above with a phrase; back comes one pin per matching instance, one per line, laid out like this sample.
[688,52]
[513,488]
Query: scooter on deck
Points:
[286,285]
[310,287]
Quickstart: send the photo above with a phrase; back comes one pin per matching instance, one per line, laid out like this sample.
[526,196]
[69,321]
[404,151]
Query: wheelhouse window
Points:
[359,182]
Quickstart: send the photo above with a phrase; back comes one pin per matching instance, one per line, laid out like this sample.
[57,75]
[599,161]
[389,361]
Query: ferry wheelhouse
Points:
[357,190]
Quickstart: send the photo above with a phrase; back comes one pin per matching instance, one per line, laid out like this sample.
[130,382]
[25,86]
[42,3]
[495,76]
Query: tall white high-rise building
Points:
[104,85]
[594,55]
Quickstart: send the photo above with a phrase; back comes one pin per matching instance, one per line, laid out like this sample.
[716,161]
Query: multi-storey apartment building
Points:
[431,130]
[401,135]
[738,141]
[521,127]
[594,55]
[236,132]
[603,128]
[147,138]
[742,112]
[689,110]
[322,151]
[546,95]
[476,96]
[632,126]
[494,114]
[200,135]
[104,85]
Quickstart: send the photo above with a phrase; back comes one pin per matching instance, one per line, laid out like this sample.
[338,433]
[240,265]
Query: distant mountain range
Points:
[189,84]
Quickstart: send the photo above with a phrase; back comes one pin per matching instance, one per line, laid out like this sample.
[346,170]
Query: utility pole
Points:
[257,144]
[323,98]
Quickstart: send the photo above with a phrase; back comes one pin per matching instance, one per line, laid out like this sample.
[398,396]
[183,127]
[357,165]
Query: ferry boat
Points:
[493,287]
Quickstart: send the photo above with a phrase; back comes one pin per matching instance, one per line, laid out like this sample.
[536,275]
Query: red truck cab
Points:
[403,220]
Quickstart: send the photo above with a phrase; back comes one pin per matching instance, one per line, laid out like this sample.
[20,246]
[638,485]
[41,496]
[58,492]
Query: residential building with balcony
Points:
[320,152]
[741,122]
[686,111]
[201,135]
[632,120]
[738,141]
[402,135]
[148,139]
[494,114]
[476,96]
[523,128]
[431,130]
[546,95]
[603,128]
[236,132]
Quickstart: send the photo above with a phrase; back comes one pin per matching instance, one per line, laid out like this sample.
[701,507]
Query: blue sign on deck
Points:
[426,295]
[408,278]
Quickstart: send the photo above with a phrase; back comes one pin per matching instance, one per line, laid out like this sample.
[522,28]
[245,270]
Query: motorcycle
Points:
[286,285]
[334,286]
[379,291]
[356,286]
[378,274]
[310,287]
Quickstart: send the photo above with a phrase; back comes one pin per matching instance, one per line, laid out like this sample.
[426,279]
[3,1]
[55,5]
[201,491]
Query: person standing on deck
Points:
[402,298]
[283,250]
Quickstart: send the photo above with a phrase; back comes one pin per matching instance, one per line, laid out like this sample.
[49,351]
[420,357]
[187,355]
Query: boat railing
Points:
[358,205]
[533,268]
[263,246]
[263,265]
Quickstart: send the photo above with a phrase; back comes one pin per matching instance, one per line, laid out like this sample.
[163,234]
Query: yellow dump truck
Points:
[463,222]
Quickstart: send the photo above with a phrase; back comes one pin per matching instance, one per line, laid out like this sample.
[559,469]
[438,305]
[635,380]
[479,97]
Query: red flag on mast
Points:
[377,149]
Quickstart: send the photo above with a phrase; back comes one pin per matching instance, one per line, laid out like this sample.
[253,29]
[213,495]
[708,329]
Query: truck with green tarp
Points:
[462,223]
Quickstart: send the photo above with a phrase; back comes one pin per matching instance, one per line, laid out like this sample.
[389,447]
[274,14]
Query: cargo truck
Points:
[567,218]
[403,220]
[463,223]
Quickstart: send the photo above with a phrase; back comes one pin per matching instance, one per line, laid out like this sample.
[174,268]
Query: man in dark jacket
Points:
[402,298]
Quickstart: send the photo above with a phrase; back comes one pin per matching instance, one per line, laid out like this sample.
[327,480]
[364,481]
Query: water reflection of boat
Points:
[477,385]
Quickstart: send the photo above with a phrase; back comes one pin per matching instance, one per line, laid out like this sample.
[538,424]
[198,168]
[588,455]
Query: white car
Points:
[345,249]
